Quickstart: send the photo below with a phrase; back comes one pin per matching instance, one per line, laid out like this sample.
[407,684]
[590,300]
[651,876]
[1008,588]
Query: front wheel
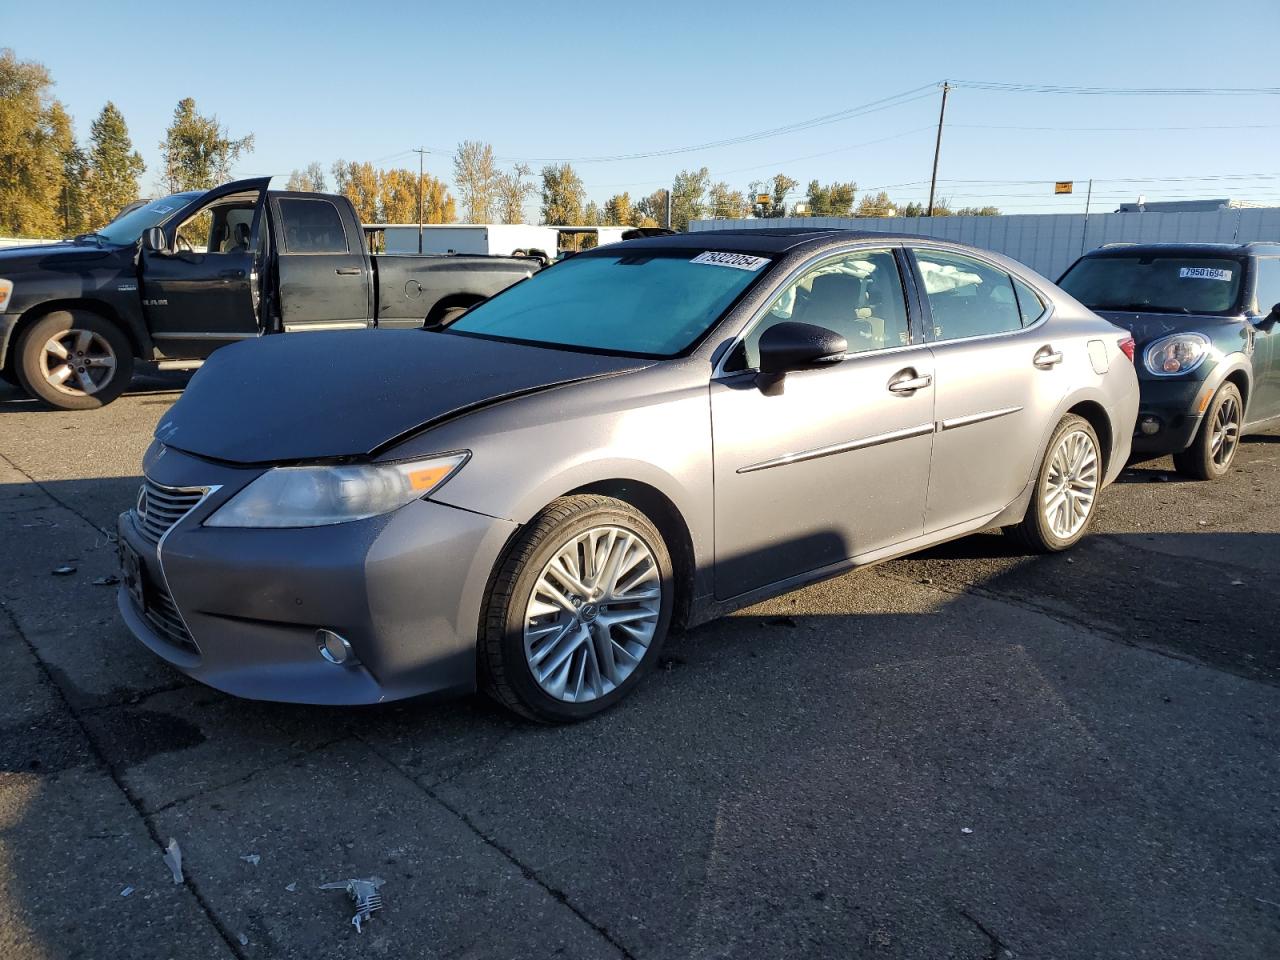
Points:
[1214,449]
[74,360]
[578,610]
[1066,492]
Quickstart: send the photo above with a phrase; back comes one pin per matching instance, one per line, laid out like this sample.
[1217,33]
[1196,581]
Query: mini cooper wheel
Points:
[578,610]
[1214,449]
[75,360]
[1066,491]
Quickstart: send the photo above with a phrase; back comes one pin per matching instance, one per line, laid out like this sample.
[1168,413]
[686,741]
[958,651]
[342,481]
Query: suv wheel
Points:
[74,360]
[1214,448]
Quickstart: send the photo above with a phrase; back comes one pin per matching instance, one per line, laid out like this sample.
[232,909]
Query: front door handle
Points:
[348,271]
[906,382]
[1046,358]
[232,274]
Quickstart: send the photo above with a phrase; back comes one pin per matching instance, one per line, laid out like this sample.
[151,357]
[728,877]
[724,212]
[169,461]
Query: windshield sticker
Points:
[160,208]
[739,261]
[1204,273]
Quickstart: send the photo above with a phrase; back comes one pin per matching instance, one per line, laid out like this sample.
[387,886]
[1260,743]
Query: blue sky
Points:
[321,81]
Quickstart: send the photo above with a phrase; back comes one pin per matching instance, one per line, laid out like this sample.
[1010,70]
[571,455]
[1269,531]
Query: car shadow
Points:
[14,399]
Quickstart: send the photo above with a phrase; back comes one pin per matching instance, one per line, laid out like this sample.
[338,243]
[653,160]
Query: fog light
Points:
[334,647]
[1149,425]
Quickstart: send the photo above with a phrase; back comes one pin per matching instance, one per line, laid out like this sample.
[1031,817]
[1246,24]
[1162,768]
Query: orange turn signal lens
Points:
[428,477]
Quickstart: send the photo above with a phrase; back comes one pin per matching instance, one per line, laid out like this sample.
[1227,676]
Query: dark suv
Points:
[1208,353]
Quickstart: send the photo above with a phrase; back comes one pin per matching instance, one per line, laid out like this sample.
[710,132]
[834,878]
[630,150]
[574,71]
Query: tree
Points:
[562,195]
[978,212]
[833,200]
[777,190]
[688,197]
[651,211]
[592,215]
[198,151]
[876,205]
[310,179]
[912,209]
[476,177]
[37,152]
[513,190]
[111,167]
[618,211]
[358,182]
[726,204]
[398,198]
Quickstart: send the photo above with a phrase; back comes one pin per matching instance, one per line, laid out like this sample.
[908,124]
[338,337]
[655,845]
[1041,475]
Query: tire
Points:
[450,314]
[1046,531]
[520,629]
[1214,449]
[108,357]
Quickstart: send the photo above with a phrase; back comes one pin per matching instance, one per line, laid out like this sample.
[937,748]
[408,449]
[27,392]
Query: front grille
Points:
[160,507]
[164,618]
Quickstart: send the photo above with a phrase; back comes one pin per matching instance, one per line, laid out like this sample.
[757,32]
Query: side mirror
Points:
[153,240]
[794,346]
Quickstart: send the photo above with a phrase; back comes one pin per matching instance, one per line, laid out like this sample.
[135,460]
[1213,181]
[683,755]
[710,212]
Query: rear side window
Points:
[1029,303]
[1268,294]
[312,226]
[967,298]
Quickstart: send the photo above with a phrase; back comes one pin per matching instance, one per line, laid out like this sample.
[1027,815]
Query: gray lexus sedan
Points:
[640,438]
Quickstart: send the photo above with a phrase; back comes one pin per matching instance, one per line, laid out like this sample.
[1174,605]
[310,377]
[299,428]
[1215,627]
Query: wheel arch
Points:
[1098,418]
[449,302]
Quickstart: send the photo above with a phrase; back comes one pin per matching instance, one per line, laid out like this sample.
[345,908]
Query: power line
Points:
[1230,126]
[1116,91]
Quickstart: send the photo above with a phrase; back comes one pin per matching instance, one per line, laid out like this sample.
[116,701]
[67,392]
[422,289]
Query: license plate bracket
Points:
[131,574]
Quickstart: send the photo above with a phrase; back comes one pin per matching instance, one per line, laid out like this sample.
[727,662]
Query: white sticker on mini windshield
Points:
[739,261]
[159,208]
[1204,273]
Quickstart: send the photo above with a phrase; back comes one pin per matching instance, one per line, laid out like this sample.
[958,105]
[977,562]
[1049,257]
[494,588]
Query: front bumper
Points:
[1173,408]
[404,589]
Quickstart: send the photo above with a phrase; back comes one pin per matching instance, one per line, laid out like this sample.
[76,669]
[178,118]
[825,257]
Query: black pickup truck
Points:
[169,281]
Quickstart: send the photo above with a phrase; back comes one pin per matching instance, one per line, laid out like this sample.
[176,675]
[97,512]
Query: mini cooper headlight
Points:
[322,495]
[1180,353]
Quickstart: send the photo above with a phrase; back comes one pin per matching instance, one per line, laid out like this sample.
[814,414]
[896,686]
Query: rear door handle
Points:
[232,274]
[907,382]
[348,271]
[1047,357]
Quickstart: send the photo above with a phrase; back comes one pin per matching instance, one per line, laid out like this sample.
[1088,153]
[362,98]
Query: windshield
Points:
[128,227]
[1165,284]
[650,302]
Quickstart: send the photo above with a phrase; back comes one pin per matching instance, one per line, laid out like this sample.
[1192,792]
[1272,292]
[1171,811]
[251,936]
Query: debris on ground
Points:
[126,891]
[292,887]
[64,571]
[108,581]
[966,829]
[244,941]
[364,893]
[173,859]
[251,858]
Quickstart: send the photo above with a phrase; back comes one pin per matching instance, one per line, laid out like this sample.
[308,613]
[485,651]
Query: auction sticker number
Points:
[1204,273]
[739,261]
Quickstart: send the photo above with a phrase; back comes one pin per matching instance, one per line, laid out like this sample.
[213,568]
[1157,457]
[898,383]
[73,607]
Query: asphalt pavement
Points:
[969,753]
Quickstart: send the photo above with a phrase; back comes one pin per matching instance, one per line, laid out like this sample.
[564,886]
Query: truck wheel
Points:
[1214,448]
[74,360]
[578,610]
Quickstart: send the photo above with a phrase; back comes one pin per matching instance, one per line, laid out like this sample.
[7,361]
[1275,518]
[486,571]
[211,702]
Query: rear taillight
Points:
[1127,347]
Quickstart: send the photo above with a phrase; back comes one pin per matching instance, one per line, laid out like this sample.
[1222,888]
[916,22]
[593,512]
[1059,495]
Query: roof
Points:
[777,240]
[1187,249]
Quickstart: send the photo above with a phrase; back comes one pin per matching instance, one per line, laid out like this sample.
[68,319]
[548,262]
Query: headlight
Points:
[318,496]
[1180,353]
[6,293]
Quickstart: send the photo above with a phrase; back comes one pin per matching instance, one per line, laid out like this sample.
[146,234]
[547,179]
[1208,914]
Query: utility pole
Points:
[1084,233]
[937,147]
[420,151]
[668,208]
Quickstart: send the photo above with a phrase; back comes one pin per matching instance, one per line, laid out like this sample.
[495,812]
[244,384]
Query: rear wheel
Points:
[74,360]
[578,611]
[1066,492]
[1211,454]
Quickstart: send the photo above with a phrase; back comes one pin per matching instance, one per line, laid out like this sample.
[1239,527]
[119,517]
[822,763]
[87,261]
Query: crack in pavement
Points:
[528,872]
[109,534]
[233,944]
[999,949]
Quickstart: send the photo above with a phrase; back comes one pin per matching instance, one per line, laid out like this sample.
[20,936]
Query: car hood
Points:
[317,396]
[1151,326]
[48,254]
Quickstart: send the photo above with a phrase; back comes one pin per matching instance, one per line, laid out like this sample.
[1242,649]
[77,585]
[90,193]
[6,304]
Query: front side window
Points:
[649,302]
[1159,284]
[967,298]
[857,295]
[312,226]
[223,226]
[1267,293]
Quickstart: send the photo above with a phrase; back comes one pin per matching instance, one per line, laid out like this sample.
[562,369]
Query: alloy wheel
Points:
[77,362]
[1226,432]
[1070,484]
[592,614]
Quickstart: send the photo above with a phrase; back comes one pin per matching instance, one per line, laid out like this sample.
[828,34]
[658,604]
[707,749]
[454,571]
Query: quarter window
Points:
[966,297]
[312,226]
[858,295]
[1268,287]
[1030,306]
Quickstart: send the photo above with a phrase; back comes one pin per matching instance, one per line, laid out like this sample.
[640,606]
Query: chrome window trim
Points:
[719,373]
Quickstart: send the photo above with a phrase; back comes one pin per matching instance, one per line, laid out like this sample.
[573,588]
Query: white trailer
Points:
[486,239]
